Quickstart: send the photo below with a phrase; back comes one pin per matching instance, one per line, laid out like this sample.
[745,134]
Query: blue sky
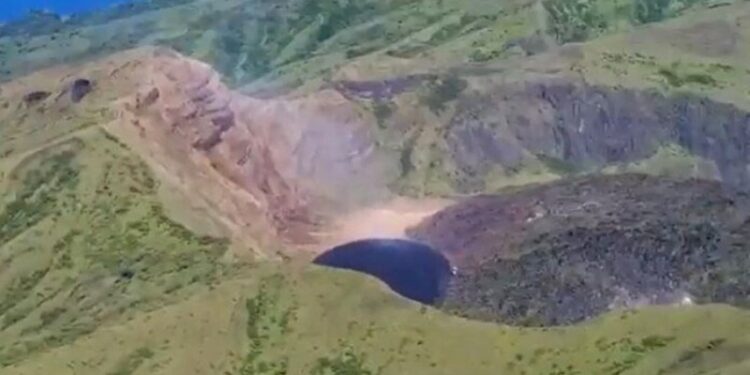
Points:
[10,9]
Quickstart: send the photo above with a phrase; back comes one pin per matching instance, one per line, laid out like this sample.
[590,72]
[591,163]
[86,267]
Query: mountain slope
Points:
[91,257]
[322,322]
[85,241]
[158,212]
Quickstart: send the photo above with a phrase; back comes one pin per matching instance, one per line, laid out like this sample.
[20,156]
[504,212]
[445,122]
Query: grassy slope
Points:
[699,49]
[670,160]
[85,241]
[298,41]
[400,338]
[278,321]
[292,42]
[74,231]
[701,52]
[96,280]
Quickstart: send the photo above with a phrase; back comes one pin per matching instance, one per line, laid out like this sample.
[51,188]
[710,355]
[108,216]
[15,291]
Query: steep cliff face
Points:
[294,159]
[588,127]
[268,169]
[189,123]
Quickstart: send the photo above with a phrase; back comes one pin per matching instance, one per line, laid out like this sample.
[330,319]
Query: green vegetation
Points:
[581,20]
[131,363]
[442,91]
[675,79]
[108,247]
[382,111]
[290,42]
[647,11]
[574,20]
[556,165]
[262,325]
[706,354]
[38,195]
[19,290]
[635,352]
[96,278]
[336,15]
[619,343]
[282,36]
[454,29]
[346,363]
[306,321]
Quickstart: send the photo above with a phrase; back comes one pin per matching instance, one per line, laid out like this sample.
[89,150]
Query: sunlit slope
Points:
[97,279]
[480,127]
[85,241]
[288,43]
[273,320]
[296,40]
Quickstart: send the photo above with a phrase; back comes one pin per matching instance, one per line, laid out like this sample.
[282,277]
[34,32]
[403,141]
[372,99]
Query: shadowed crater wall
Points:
[589,126]
[411,269]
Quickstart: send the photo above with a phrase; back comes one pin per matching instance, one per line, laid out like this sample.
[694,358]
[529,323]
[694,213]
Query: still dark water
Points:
[14,9]
[409,268]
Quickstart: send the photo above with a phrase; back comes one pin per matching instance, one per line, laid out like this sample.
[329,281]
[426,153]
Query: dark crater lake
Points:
[411,269]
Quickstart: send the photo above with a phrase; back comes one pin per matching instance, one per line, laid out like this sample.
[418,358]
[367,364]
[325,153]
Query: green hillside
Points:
[97,280]
[99,276]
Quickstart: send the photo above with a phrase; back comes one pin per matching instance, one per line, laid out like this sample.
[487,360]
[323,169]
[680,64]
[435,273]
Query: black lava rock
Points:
[568,251]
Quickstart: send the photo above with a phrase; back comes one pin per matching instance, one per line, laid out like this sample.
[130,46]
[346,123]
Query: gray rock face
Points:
[592,126]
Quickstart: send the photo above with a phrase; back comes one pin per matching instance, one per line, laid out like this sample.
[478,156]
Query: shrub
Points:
[132,362]
[50,316]
[37,197]
[444,91]
[655,341]
[701,79]
[574,20]
[676,79]
[673,79]
[346,363]
[382,111]
[647,11]
[335,15]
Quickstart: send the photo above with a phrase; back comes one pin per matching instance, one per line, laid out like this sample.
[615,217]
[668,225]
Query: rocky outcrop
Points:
[275,161]
[268,169]
[181,115]
[283,159]
[567,251]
